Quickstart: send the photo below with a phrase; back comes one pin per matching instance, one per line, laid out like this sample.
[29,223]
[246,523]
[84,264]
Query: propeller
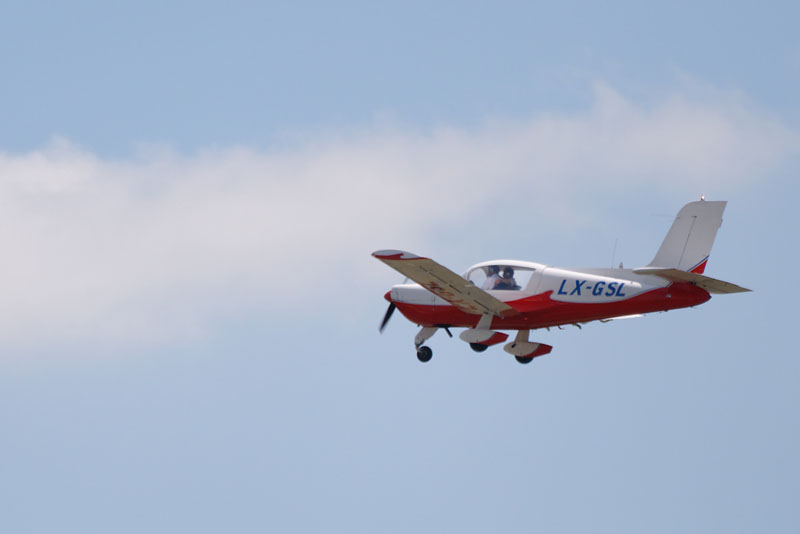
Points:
[389,311]
[388,316]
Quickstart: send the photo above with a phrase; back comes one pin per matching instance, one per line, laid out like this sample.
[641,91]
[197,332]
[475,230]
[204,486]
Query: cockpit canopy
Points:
[500,276]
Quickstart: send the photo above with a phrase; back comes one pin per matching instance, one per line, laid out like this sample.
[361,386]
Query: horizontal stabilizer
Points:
[712,285]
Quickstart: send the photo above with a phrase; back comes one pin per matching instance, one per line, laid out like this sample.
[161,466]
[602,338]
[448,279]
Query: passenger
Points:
[507,281]
[491,277]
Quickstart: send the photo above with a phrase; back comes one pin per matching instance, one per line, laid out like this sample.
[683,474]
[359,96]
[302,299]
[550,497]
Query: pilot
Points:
[491,277]
[507,281]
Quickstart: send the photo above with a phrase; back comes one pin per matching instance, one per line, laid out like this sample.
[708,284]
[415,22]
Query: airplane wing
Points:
[444,283]
[712,285]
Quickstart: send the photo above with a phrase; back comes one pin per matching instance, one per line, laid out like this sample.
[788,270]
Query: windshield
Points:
[500,277]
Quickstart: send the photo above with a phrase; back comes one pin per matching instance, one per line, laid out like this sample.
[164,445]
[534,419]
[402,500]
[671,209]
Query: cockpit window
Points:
[500,277]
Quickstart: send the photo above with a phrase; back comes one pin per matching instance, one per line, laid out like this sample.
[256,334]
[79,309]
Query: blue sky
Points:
[190,195]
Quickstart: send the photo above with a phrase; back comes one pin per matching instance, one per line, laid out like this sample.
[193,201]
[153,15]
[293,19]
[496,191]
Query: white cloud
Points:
[97,249]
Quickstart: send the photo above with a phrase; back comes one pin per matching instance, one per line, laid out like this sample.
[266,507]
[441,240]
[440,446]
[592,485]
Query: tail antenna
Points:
[614,252]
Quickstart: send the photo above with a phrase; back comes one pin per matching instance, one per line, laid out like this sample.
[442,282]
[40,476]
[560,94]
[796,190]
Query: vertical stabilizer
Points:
[689,240]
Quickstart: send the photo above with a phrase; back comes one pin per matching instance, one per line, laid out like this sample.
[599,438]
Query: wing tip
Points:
[391,254]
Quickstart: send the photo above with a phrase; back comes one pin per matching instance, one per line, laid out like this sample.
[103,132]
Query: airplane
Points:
[520,295]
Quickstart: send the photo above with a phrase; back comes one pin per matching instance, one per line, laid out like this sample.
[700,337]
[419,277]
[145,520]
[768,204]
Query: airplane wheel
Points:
[477,347]
[424,354]
[523,359]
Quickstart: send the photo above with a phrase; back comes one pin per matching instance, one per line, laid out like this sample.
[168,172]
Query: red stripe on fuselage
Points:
[539,311]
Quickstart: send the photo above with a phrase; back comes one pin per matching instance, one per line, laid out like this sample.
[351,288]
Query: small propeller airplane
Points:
[524,296]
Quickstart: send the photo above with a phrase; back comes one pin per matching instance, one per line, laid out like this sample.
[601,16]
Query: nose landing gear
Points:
[424,354]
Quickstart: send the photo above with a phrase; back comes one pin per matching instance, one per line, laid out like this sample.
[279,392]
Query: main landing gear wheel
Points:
[523,359]
[478,347]
[424,354]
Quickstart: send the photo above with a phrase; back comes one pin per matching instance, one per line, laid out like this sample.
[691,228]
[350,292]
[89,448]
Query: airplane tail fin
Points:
[689,240]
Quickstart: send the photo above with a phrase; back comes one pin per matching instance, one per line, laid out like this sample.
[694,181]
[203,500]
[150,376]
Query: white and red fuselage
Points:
[554,296]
